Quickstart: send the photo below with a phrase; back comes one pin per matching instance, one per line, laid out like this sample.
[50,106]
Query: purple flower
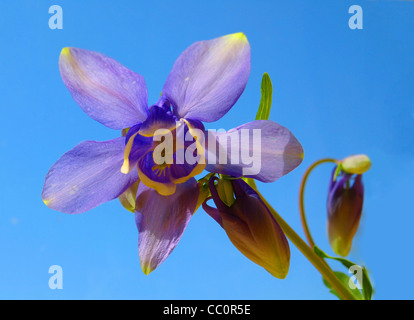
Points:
[250,225]
[345,200]
[205,82]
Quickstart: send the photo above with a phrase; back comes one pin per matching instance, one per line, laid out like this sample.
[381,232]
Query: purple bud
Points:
[250,226]
[345,200]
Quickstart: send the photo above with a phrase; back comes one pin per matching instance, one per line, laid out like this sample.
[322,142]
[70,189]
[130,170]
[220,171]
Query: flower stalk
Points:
[308,252]
[302,197]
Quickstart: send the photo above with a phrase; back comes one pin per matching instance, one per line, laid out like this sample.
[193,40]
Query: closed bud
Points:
[250,226]
[357,164]
[345,200]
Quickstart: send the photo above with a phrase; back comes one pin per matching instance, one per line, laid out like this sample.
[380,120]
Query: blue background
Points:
[340,91]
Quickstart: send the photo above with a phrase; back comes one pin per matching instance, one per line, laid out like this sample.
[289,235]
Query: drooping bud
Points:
[345,201]
[251,227]
[357,164]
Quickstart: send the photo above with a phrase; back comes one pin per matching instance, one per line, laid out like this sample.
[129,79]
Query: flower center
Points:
[159,169]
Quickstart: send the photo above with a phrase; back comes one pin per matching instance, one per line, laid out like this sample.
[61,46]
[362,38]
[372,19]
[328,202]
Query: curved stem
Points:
[308,252]
[302,197]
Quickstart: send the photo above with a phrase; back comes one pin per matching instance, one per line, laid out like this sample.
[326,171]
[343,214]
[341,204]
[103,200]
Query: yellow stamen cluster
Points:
[159,169]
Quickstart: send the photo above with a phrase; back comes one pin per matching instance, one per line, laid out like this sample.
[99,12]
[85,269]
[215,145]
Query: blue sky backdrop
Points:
[340,91]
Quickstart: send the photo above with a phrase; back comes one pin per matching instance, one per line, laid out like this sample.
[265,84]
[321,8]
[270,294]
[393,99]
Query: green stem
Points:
[302,198]
[308,252]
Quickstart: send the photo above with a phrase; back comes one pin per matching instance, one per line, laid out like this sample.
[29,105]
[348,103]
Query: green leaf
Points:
[367,288]
[348,264]
[345,281]
[266,99]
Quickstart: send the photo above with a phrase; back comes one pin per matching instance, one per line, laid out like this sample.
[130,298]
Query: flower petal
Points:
[107,91]
[161,221]
[87,176]
[208,77]
[159,121]
[279,153]
[136,146]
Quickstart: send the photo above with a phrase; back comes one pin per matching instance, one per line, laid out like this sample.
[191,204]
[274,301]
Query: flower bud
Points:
[250,226]
[345,200]
[357,164]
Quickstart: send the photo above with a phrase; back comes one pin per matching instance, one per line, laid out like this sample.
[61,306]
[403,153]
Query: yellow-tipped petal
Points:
[146,268]
[94,82]
[162,221]
[65,51]
[224,63]
[237,37]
